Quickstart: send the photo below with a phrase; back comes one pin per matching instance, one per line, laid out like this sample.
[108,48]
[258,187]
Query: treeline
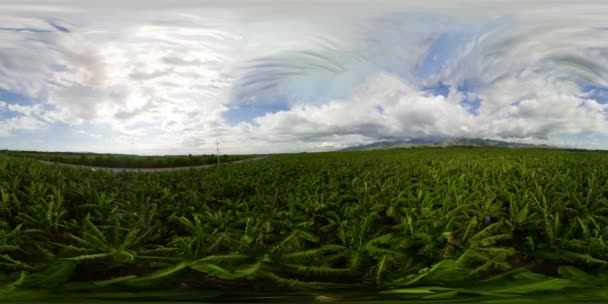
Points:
[127,161]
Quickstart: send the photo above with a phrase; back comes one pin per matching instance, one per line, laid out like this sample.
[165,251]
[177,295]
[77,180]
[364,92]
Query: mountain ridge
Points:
[443,142]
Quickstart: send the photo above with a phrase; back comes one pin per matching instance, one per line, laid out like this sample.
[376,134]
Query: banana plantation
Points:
[427,224]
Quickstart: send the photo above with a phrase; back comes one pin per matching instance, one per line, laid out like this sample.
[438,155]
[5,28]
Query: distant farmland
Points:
[127,161]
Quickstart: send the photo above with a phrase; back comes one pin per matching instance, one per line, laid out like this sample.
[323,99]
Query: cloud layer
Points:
[174,77]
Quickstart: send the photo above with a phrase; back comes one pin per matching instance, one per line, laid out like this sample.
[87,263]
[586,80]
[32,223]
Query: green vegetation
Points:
[126,161]
[424,224]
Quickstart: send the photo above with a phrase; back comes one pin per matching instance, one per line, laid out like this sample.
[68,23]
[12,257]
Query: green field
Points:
[126,161]
[486,224]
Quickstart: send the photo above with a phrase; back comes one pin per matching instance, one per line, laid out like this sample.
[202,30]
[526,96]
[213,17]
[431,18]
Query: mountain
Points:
[443,142]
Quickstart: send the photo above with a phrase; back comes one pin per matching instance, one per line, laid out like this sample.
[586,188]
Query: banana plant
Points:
[118,243]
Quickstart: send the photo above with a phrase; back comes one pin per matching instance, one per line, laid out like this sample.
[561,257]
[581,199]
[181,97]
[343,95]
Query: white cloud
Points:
[22,118]
[389,108]
[164,77]
[20,124]
[27,110]
[386,107]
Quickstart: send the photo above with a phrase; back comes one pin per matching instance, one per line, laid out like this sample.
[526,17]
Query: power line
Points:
[217,148]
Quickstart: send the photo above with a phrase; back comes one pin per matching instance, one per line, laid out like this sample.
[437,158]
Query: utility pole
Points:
[217,148]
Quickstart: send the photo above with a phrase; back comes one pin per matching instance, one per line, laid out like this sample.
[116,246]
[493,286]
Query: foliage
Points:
[390,220]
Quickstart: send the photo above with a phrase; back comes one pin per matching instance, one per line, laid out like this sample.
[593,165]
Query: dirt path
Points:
[144,170]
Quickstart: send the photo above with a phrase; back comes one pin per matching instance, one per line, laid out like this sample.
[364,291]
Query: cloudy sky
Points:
[170,77]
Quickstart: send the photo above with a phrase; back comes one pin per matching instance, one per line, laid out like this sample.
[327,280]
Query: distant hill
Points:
[443,142]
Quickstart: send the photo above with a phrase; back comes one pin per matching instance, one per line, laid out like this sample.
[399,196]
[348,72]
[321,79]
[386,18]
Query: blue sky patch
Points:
[13,98]
[379,109]
[472,105]
[6,114]
[57,137]
[597,93]
[439,89]
[25,29]
[442,50]
[59,27]
[247,112]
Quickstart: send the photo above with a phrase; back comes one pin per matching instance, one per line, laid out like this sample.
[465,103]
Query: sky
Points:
[176,77]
